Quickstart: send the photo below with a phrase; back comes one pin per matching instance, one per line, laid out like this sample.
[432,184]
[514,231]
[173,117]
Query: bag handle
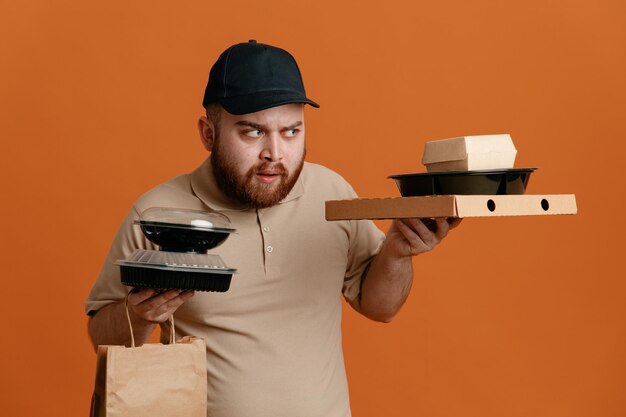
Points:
[130,324]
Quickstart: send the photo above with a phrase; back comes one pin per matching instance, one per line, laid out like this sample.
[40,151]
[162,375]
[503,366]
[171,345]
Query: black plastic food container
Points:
[183,237]
[174,279]
[170,270]
[487,182]
[180,230]
[174,238]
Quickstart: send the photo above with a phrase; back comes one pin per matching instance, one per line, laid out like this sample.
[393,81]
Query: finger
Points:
[149,307]
[405,230]
[430,223]
[138,295]
[428,236]
[414,231]
[442,228]
[186,295]
[454,222]
[173,299]
[159,299]
[164,312]
[175,296]
[417,226]
[410,228]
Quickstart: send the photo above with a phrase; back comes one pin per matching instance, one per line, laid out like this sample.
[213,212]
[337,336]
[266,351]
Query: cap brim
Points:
[251,103]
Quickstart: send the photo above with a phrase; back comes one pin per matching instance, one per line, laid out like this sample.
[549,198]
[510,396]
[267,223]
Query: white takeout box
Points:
[469,153]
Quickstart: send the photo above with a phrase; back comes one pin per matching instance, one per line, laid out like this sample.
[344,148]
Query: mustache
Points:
[277,167]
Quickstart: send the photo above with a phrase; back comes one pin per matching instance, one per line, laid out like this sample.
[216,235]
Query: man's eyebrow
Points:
[250,124]
[293,126]
[262,127]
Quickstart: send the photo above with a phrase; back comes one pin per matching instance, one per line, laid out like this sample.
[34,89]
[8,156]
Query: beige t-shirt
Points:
[274,338]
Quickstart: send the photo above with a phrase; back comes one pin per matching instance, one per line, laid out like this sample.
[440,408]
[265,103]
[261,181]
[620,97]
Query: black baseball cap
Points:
[249,77]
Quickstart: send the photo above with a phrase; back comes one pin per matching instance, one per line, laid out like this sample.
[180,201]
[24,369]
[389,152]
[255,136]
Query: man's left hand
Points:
[410,237]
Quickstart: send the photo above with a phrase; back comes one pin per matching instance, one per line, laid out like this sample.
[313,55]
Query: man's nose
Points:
[272,151]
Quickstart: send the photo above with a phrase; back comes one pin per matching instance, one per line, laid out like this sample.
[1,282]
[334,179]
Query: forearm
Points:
[388,282]
[110,326]
[386,286]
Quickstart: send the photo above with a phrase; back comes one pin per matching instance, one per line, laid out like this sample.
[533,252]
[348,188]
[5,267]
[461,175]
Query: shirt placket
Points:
[270,245]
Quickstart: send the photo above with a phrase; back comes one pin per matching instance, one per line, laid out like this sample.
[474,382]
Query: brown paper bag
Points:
[151,380]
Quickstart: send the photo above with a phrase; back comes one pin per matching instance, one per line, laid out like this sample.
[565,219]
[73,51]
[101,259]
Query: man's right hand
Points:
[153,306]
[146,308]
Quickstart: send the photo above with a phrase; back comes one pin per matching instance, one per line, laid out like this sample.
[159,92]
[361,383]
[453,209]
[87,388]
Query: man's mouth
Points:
[268,176]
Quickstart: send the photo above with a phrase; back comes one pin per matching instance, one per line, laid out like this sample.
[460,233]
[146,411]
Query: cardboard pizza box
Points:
[451,206]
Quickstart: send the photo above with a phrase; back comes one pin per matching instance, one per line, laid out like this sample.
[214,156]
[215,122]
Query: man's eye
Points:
[256,133]
[290,133]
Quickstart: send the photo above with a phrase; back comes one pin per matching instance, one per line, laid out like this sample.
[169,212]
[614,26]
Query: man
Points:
[274,339]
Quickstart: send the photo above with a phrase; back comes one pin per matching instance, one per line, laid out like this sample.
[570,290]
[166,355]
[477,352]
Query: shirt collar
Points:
[205,187]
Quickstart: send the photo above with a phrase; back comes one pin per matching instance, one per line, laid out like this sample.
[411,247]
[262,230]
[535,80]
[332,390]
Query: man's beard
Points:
[246,188]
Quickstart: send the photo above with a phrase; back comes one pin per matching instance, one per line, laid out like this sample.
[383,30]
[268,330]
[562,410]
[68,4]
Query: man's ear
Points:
[206,129]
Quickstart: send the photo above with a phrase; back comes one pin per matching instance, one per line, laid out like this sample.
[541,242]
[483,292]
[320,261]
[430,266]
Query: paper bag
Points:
[151,380]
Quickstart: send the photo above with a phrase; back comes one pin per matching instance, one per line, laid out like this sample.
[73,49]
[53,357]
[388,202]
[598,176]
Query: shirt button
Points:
[269,249]
[266,229]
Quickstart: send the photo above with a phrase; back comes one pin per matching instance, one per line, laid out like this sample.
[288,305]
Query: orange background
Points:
[509,317]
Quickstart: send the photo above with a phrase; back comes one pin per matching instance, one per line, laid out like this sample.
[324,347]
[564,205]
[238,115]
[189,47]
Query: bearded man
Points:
[274,339]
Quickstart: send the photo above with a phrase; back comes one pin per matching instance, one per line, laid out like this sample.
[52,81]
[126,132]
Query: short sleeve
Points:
[108,287]
[365,243]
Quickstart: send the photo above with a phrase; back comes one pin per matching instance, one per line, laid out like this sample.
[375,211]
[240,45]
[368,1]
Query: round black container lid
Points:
[186,219]
[183,230]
